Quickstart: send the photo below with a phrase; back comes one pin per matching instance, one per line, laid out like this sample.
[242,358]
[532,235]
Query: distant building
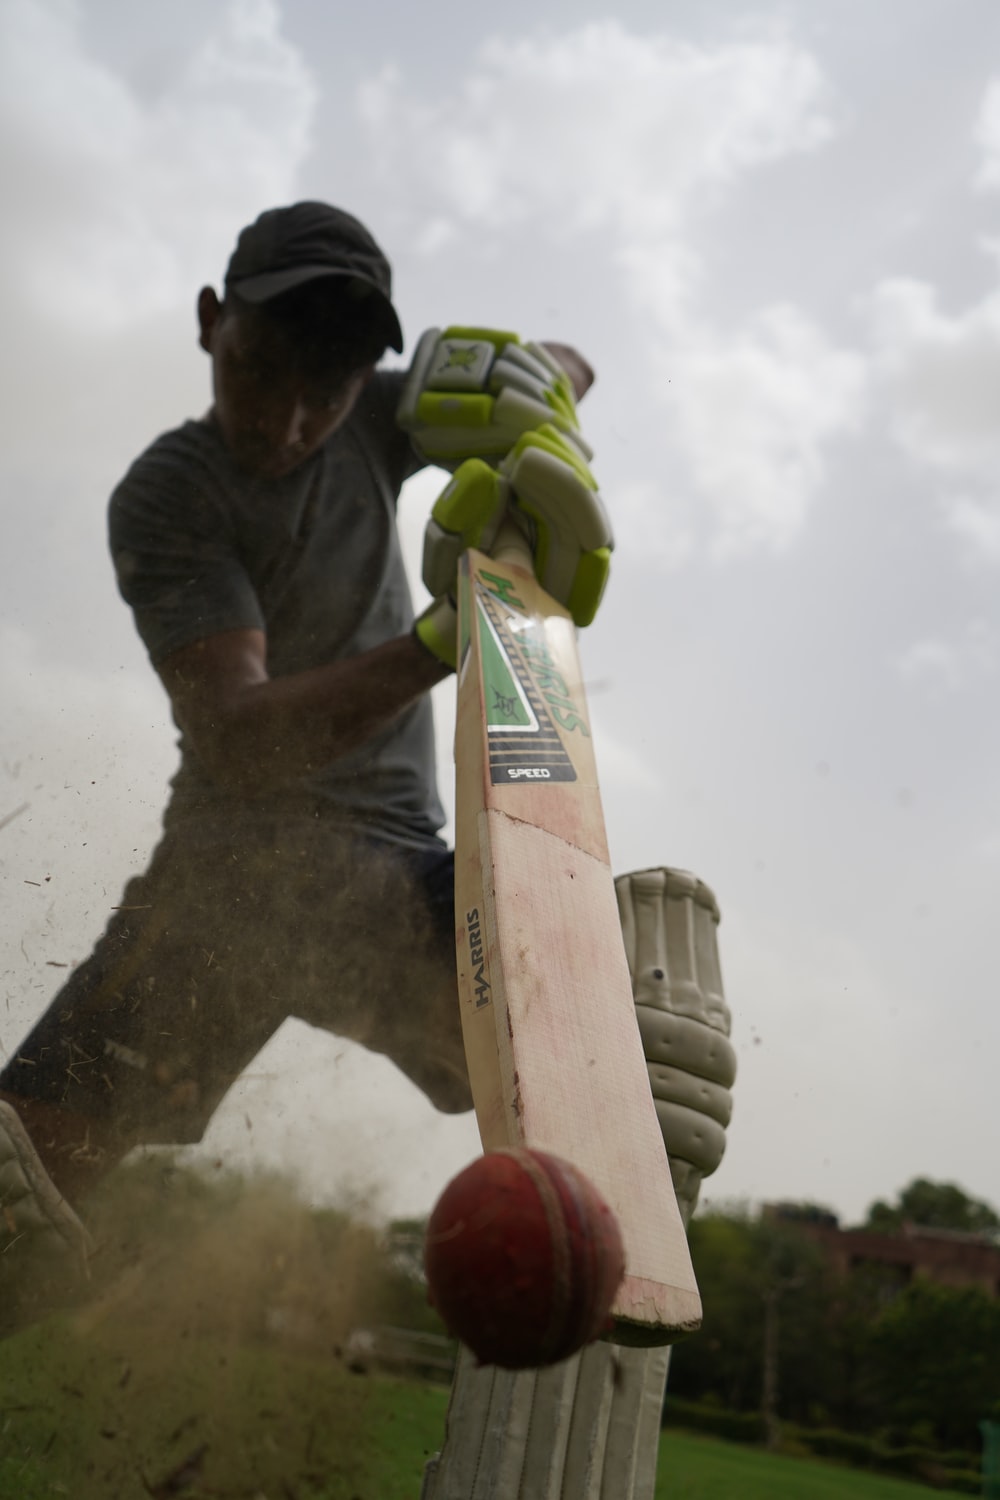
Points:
[946,1256]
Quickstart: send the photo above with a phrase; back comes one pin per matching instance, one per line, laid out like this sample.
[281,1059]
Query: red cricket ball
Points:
[523,1259]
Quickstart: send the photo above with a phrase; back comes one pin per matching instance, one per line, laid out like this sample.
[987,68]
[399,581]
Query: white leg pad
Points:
[589,1429]
[586,1429]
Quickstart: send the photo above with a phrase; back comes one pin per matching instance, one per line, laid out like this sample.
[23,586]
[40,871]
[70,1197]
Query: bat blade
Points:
[552,1043]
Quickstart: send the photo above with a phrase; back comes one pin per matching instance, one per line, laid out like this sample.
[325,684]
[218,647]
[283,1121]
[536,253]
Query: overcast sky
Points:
[776,233]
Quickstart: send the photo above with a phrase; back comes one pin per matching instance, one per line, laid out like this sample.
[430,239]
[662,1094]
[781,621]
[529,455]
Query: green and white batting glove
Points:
[472,392]
[554,497]
[468,513]
[547,490]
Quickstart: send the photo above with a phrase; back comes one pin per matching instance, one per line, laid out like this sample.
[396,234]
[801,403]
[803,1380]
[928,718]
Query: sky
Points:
[775,232]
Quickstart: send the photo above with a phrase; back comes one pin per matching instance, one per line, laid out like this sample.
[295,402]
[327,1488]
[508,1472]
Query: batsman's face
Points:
[276,399]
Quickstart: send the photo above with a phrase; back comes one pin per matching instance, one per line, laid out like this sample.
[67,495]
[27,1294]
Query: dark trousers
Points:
[223,937]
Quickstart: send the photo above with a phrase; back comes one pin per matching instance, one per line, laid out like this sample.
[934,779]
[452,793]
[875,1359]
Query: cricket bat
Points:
[552,1043]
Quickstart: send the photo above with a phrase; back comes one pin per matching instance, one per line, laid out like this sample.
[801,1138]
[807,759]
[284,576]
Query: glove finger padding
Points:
[555,492]
[472,392]
[437,629]
[468,513]
[669,921]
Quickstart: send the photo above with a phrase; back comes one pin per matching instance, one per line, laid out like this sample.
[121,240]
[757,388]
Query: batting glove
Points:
[472,392]
[555,498]
[544,486]
[468,513]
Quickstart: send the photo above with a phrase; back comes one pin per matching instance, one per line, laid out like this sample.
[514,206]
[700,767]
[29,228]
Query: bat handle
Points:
[511,546]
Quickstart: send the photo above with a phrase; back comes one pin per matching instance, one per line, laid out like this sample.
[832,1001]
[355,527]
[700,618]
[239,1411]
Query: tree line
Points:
[786,1334]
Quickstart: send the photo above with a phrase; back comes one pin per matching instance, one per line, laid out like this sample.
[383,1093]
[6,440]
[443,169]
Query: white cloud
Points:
[655,522]
[115,202]
[941,374]
[621,766]
[944,373]
[617,143]
[932,658]
[754,411]
[594,128]
[942,370]
[977,523]
[987,137]
[953,664]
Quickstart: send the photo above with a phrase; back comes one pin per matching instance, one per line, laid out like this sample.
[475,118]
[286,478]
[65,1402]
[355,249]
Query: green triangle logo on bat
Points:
[524,744]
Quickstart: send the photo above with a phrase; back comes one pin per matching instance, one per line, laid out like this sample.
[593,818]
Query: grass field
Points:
[96,1419]
[696,1468]
[101,1419]
[171,1379]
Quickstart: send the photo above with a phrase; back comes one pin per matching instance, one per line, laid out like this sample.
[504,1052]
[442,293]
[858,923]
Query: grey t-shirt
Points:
[312,559]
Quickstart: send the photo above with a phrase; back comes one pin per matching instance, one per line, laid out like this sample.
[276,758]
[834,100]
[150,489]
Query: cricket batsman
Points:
[257,548]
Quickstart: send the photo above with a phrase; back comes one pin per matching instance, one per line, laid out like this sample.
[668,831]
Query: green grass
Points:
[102,1418]
[165,1374]
[91,1421]
[697,1468]
[168,1379]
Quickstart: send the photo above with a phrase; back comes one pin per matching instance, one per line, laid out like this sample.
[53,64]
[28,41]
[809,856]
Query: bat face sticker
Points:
[525,745]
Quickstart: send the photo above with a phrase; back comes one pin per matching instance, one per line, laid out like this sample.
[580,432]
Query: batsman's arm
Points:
[254,731]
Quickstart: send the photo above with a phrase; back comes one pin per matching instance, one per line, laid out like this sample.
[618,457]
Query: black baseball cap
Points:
[286,247]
